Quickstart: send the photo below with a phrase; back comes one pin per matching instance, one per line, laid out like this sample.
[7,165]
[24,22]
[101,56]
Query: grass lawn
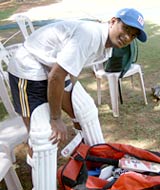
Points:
[137,124]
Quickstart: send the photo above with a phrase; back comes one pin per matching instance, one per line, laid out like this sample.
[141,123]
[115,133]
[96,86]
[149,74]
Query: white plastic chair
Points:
[113,84]
[12,130]
[25,25]
[7,171]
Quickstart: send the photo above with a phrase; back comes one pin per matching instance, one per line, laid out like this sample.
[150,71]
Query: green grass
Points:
[149,54]
[4,14]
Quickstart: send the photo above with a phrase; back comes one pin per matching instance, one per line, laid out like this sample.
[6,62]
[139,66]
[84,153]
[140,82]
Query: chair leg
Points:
[12,156]
[99,90]
[143,88]
[12,180]
[113,87]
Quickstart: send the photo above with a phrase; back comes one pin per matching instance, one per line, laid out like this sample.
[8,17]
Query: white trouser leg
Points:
[86,114]
[44,158]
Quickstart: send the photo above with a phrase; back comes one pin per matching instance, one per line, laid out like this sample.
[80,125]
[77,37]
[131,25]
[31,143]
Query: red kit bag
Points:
[132,168]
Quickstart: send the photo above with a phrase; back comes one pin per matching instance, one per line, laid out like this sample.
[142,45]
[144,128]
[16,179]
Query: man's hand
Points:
[56,86]
[59,131]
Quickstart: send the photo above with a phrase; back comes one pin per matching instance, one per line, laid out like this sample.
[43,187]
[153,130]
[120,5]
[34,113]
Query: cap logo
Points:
[140,20]
[123,13]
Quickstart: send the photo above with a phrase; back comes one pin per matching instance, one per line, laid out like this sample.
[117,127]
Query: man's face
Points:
[120,34]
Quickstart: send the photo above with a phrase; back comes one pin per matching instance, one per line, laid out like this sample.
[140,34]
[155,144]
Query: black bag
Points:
[121,60]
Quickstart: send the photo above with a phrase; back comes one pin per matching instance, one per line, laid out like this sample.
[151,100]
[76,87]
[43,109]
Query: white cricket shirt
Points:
[71,44]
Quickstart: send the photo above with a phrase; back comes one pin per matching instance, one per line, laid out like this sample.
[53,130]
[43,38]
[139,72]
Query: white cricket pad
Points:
[86,114]
[44,159]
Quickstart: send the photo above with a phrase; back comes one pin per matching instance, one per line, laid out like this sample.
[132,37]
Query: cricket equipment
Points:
[134,164]
[44,158]
[106,172]
[68,150]
[86,114]
[92,168]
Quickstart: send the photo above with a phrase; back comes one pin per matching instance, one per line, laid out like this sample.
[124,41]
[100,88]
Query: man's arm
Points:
[56,83]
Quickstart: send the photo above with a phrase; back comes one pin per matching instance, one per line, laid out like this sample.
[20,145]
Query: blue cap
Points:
[132,17]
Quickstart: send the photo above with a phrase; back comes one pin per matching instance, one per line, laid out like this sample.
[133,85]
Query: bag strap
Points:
[109,184]
[108,161]
[155,187]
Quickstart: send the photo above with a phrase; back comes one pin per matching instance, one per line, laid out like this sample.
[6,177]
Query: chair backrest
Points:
[5,56]
[12,130]
[25,25]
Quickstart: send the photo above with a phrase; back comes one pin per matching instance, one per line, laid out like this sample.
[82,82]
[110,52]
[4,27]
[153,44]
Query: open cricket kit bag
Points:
[110,166]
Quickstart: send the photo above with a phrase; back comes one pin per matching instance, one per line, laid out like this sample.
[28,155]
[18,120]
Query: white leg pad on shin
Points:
[44,158]
[86,114]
